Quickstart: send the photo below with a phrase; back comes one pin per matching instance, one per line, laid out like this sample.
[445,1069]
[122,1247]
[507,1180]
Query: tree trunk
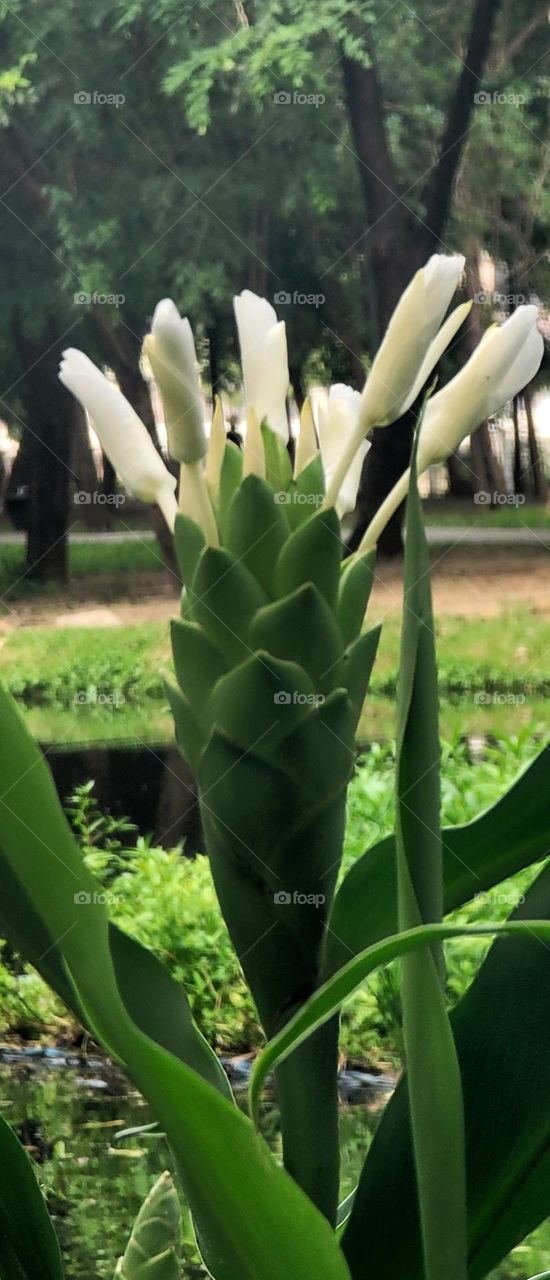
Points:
[540,485]
[49,421]
[519,480]
[398,243]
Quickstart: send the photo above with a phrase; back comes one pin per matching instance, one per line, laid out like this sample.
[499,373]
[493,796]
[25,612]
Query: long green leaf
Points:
[511,835]
[253,1220]
[325,1002]
[28,1243]
[433,1074]
[502,1033]
[154,1001]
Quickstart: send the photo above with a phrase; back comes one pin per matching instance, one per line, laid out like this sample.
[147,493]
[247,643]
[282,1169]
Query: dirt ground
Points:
[466,583]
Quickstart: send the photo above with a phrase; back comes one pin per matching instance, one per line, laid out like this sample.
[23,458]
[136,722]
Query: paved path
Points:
[479,536]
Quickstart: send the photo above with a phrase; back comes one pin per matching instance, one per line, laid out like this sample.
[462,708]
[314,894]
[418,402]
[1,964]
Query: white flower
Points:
[170,349]
[122,434]
[409,352]
[216,450]
[264,360]
[504,362]
[337,424]
[390,388]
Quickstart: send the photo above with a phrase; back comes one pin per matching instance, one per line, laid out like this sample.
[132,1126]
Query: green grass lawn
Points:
[505,516]
[136,555]
[85,684]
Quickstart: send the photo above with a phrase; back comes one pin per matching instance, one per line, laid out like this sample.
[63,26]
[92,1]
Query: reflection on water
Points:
[68,1117]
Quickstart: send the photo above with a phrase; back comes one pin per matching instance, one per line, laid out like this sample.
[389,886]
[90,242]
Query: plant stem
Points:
[307,1088]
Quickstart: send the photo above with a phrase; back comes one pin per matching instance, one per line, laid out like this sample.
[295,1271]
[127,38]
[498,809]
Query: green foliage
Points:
[153,1251]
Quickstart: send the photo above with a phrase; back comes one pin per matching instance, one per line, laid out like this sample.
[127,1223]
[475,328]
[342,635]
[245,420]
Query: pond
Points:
[71,1113]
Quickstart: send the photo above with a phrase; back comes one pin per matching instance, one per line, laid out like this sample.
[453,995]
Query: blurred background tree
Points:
[301,151]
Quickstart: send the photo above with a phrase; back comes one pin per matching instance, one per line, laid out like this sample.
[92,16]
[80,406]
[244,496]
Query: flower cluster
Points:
[505,360]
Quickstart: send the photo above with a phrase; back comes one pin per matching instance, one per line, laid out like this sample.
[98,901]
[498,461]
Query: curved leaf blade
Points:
[28,1244]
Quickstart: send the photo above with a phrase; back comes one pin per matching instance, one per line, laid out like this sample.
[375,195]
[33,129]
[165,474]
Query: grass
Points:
[136,555]
[504,516]
[119,666]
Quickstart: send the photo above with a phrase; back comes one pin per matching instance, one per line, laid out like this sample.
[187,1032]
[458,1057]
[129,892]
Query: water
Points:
[68,1118]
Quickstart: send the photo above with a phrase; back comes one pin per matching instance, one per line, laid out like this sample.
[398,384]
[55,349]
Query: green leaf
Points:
[274,830]
[301,627]
[198,665]
[354,671]
[28,1243]
[155,1002]
[328,999]
[225,598]
[153,1251]
[230,479]
[306,493]
[313,553]
[278,467]
[502,1033]
[252,1218]
[433,1074]
[189,542]
[256,529]
[259,703]
[509,836]
[354,594]
[190,736]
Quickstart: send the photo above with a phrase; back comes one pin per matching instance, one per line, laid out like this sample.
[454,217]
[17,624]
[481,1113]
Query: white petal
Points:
[171,351]
[307,447]
[264,360]
[122,434]
[412,327]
